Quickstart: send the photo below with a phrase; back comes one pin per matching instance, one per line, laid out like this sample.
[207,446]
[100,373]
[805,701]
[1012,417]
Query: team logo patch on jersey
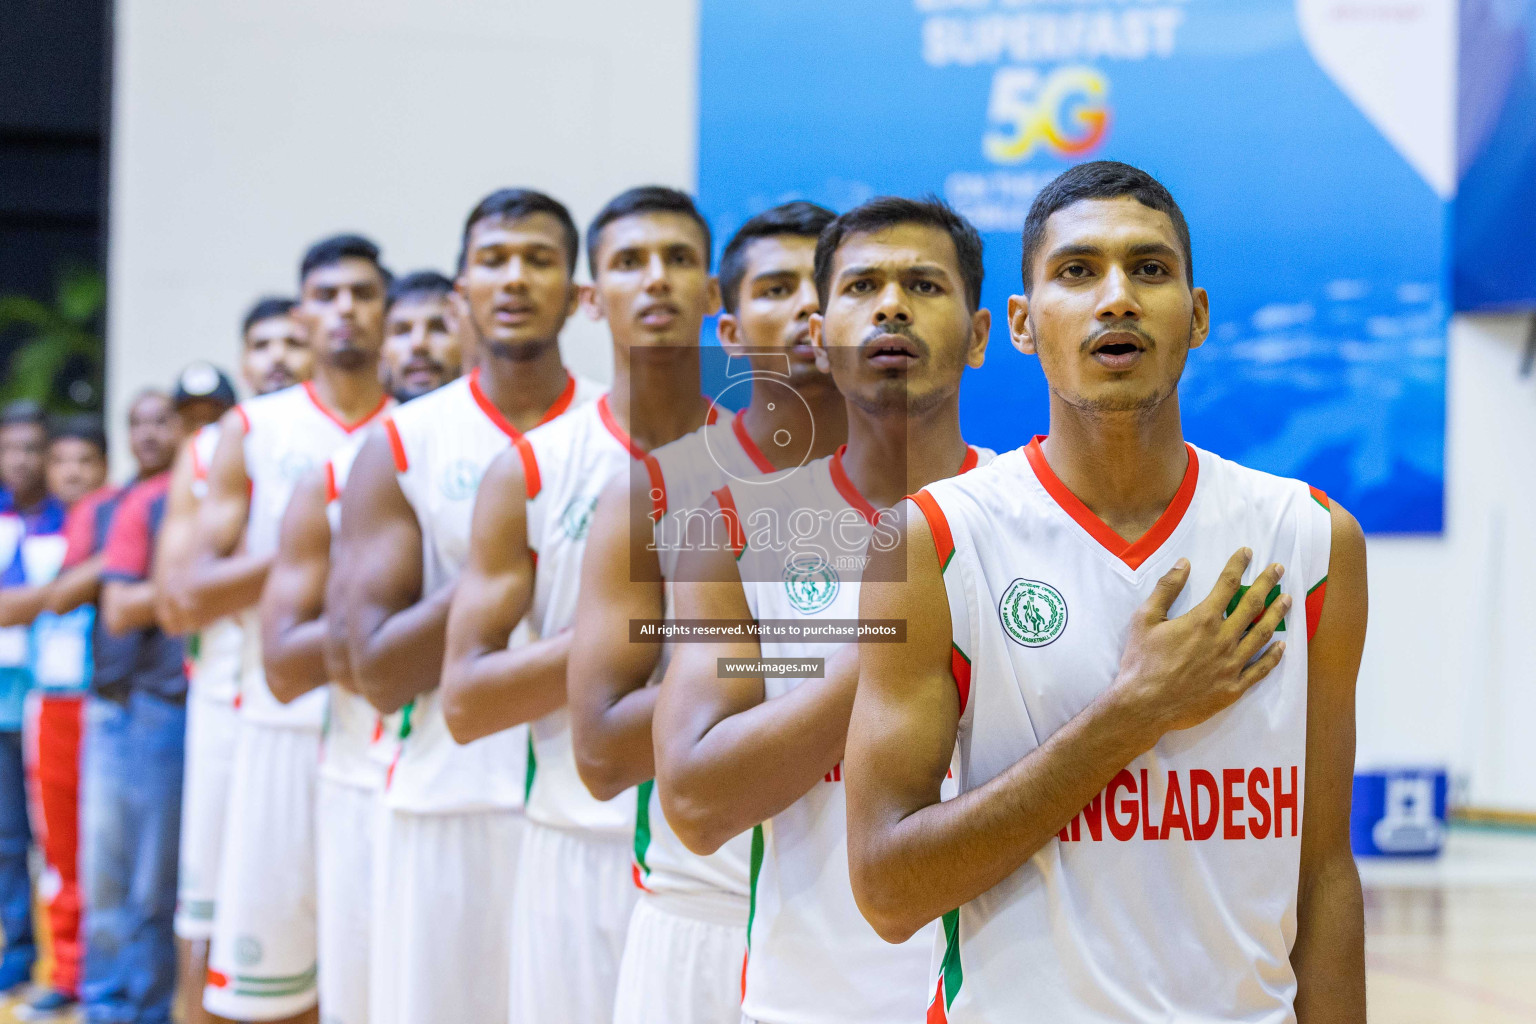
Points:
[811,584]
[247,951]
[1033,613]
[459,480]
[577,517]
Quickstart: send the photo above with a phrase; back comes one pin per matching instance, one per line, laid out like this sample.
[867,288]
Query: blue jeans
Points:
[130,823]
[15,882]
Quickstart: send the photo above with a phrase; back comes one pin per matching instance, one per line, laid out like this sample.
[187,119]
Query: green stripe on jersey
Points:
[1269,599]
[757,869]
[954,977]
[643,824]
[533,768]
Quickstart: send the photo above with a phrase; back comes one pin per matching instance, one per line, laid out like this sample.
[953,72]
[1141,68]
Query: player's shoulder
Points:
[564,430]
[273,406]
[429,410]
[991,477]
[1234,484]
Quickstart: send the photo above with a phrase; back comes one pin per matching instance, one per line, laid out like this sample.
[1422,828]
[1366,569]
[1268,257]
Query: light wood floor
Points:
[1447,942]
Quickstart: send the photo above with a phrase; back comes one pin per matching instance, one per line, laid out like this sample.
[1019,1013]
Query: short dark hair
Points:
[1100,179]
[82,427]
[418,282]
[889,211]
[337,248]
[265,308]
[797,218]
[645,199]
[515,204]
[23,412]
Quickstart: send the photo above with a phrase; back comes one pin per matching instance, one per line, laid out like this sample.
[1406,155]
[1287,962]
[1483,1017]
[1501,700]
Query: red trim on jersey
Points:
[199,471]
[658,488]
[727,503]
[1319,497]
[531,482]
[503,424]
[314,396]
[332,492]
[938,525]
[605,413]
[936,1013]
[1132,554]
[245,418]
[396,445]
[739,428]
[960,668]
[1314,606]
[846,488]
[972,457]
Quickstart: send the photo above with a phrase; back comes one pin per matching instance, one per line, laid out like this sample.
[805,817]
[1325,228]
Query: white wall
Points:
[243,131]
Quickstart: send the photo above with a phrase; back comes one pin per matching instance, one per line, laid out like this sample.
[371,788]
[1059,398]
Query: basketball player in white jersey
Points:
[1154,811]
[899,284]
[452,814]
[421,353]
[648,250]
[274,354]
[682,958]
[262,961]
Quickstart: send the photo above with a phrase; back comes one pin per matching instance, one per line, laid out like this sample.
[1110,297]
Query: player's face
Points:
[343,304]
[421,346]
[898,330]
[515,284]
[23,448]
[774,306]
[277,354]
[76,467]
[1110,311]
[653,284]
[154,431]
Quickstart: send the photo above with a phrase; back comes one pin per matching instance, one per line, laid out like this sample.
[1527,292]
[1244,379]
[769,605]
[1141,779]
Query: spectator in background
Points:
[29,518]
[59,660]
[203,394]
[135,718]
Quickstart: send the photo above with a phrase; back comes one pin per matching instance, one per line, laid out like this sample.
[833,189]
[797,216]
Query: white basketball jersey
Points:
[1172,895]
[442,443]
[683,476]
[287,434]
[566,465]
[811,955]
[352,726]
[214,652]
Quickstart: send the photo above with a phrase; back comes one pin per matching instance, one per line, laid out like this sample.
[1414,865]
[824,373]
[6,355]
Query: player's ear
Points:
[981,328]
[816,322]
[1018,325]
[728,331]
[714,296]
[591,302]
[573,298]
[1200,318]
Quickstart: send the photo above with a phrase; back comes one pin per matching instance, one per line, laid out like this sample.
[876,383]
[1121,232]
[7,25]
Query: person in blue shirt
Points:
[31,514]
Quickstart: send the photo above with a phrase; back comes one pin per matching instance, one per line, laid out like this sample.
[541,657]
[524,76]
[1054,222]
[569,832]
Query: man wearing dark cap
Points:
[203,394]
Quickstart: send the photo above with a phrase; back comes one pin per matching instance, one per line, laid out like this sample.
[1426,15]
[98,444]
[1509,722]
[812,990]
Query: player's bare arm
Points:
[486,686]
[75,586]
[334,649]
[610,704]
[912,858]
[293,623]
[222,579]
[20,605]
[726,757]
[394,633]
[126,607]
[1329,953]
[175,545]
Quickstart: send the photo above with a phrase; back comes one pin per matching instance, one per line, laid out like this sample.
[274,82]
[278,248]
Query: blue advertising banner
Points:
[1319,216]
[1496,154]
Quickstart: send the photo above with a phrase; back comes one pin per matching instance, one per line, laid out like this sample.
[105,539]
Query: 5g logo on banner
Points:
[1066,111]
